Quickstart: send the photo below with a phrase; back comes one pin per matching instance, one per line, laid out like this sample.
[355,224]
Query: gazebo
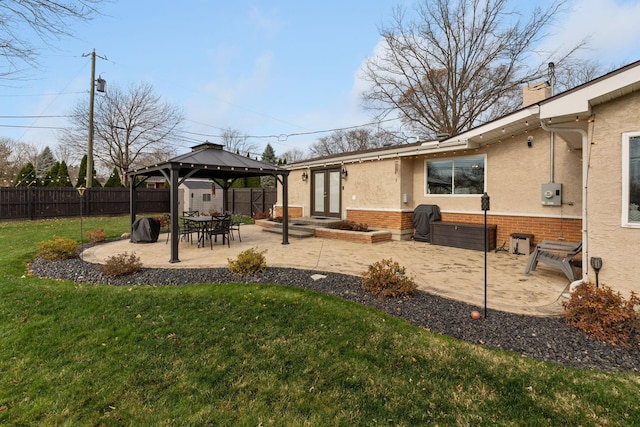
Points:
[207,160]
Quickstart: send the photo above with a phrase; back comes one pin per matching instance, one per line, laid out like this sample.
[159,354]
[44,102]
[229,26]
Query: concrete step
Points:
[292,232]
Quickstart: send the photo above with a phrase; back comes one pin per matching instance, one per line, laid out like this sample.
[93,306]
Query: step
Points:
[292,232]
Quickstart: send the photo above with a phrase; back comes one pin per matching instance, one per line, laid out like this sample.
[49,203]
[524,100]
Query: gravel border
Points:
[548,339]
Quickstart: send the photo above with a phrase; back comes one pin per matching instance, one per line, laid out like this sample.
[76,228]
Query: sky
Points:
[283,72]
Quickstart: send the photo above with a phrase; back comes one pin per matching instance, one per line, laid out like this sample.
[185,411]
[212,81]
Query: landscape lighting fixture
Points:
[596,263]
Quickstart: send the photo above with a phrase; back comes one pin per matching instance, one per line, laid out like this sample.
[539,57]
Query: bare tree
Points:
[575,72]
[294,155]
[235,142]
[49,20]
[131,127]
[458,63]
[68,154]
[6,165]
[344,141]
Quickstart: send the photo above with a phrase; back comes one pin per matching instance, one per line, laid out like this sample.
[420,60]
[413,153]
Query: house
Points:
[204,196]
[563,167]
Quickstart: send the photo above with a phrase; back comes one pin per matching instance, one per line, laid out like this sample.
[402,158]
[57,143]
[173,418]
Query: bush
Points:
[351,226]
[604,314]
[58,249]
[387,278]
[261,215]
[248,262]
[121,264]
[95,236]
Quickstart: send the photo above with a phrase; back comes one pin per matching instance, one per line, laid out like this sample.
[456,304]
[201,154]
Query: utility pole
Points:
[101,85]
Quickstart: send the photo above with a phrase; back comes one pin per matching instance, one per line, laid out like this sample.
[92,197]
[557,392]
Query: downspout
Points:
[585,174]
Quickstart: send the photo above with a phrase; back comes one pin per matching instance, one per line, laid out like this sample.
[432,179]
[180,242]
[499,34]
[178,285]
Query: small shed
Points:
[204,196]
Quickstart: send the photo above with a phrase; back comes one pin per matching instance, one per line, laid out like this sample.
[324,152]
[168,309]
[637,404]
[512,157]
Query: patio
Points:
[449,272]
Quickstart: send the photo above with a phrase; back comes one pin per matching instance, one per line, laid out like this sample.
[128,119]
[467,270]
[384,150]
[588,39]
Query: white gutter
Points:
[585,172]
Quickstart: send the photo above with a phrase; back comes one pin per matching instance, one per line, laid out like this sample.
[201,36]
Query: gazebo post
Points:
[175,228]
[133,205]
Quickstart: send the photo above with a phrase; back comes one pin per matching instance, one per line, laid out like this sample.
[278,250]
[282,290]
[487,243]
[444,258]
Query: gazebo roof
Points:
[209,160]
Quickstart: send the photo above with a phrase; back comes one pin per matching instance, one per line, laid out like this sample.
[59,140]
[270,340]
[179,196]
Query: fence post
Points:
[30,203]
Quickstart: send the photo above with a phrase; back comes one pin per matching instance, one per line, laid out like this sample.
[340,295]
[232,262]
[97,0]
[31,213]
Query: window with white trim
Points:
[631,179]
[464,175]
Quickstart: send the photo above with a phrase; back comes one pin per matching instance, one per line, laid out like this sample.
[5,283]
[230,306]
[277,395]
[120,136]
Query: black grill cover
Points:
[145,230]
[423,216]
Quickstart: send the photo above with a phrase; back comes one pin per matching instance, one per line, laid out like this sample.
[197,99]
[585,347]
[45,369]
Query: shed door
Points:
[326,193]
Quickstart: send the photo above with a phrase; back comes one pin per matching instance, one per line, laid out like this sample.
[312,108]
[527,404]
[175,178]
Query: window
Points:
[206,197]
[631,179]
[459,176]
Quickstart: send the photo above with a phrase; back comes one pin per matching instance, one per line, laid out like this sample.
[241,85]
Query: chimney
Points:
[535,92]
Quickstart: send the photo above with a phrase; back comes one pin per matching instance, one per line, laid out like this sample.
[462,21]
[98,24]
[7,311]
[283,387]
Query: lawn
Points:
[77,354]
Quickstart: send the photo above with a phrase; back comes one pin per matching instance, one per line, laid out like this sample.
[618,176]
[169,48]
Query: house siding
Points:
[618,246]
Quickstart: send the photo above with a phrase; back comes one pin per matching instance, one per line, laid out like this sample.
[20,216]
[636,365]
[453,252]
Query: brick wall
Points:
[294,212]
[569,229]
[382,219]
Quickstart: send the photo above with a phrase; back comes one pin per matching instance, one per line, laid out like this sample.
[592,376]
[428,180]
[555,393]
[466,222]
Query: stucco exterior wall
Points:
[618,246]
[375,183]
[514,176]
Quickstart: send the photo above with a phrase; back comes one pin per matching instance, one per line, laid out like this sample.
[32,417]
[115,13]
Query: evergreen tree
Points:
[63,175]
[26,177]
[50,178]
[44,163]
[82,175]
[114,180]
[268,156]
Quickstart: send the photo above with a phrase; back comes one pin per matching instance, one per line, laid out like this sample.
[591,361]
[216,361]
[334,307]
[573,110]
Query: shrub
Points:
[58,249]
[387,278]
[351,226]
[121,264]
[95,235]
[604,314]
[262,215]
[248,262]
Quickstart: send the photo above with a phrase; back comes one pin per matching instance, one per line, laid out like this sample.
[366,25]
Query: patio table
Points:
[202,224]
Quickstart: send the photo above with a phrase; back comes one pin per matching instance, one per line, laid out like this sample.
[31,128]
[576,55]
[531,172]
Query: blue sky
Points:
[261,67]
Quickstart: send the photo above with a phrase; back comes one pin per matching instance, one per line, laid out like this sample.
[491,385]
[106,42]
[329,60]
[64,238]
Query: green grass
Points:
[76,354]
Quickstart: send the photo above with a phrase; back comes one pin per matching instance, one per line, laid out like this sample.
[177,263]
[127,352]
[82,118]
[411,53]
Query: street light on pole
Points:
[98,85]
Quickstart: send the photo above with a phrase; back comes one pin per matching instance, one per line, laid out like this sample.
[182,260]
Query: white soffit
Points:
[597,92]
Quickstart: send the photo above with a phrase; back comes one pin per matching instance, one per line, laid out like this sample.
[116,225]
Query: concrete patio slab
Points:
[449,272]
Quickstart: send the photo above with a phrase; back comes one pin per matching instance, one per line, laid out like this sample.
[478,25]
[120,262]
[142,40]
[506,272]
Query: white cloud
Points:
[610,25]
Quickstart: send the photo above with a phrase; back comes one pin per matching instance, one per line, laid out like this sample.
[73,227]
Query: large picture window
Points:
[456,176]
[631,179]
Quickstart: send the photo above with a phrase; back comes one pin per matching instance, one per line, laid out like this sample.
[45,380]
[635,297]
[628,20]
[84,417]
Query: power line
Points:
[35,117]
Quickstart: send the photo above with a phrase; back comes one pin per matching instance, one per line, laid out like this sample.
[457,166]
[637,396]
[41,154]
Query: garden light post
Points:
[484,200]
[81,190]
[596,263]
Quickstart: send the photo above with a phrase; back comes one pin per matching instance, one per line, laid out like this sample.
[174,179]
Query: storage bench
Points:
[463,235]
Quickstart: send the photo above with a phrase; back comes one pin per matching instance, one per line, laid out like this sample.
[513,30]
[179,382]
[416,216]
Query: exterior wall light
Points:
[344,173]
[305,176]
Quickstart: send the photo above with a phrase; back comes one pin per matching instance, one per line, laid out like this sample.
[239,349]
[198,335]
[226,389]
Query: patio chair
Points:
[236,220]
[185,229]
[556,254]
[222,228]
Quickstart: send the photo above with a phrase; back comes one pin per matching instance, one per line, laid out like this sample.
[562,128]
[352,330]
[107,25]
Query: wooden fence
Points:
[46,202]
[248,201]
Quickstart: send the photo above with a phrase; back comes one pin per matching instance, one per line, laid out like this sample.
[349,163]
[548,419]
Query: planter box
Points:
[354,236]
[463,235]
